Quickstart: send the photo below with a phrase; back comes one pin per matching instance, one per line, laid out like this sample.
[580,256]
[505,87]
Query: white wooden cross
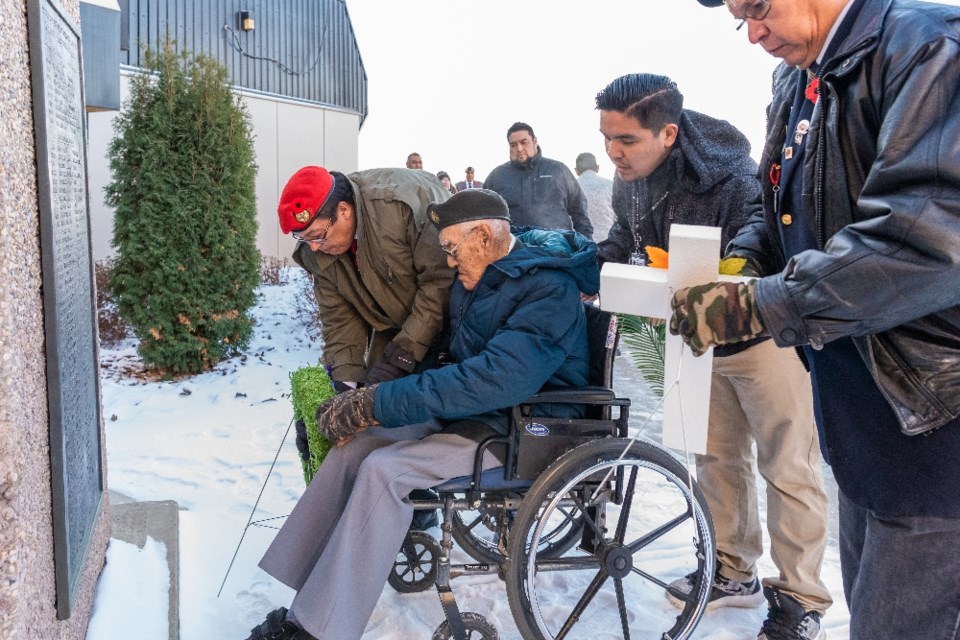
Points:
[646,291]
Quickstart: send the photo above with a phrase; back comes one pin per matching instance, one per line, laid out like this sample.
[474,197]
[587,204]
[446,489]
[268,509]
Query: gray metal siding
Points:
[300,49]
[100,31]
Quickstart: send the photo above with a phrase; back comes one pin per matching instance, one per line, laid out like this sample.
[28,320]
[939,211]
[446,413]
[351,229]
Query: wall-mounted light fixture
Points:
[246,21]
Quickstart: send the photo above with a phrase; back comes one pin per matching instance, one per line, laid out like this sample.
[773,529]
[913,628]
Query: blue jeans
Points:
[901,576]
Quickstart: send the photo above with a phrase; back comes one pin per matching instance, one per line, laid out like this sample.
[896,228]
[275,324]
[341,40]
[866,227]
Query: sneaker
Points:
[725,593]
[787,619]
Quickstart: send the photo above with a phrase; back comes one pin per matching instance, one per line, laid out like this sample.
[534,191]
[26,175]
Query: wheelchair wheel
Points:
[646,524]
[416,566]
[484,533]
[478,628]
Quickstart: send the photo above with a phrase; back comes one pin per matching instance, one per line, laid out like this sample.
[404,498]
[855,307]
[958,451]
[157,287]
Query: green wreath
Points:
[309,388]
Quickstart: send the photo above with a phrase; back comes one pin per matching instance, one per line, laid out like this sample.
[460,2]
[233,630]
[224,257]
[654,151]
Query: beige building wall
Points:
[27,587]
[286,136]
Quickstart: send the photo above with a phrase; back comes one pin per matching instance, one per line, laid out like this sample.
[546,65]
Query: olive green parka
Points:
[400,287]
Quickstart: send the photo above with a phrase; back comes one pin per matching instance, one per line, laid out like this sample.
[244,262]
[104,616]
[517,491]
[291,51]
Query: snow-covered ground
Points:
[208,442]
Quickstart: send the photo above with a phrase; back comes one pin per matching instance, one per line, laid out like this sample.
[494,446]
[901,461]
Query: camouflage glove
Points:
[396,362]
[716,313]
[344,415]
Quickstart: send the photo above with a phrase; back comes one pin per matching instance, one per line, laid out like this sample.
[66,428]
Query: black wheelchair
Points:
[567,525]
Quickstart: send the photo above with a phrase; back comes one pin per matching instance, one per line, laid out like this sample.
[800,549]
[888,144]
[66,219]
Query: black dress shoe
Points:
[277,627]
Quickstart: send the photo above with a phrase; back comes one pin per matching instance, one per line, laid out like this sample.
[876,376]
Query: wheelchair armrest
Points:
[474,493]
[577,395]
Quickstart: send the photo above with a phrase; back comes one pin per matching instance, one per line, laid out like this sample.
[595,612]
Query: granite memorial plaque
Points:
[73,383]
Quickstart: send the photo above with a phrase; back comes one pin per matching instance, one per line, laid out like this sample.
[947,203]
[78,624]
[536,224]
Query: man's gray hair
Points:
[587,161]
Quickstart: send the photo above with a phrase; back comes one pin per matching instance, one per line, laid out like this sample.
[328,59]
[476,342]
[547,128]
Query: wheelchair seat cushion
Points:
[490,480]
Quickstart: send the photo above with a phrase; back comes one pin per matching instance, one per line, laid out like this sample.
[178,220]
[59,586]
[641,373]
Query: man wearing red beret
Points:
[381,281]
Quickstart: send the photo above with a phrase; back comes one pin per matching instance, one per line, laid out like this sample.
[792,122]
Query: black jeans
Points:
[901,576]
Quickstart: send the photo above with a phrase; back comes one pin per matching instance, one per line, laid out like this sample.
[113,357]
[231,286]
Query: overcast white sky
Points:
[448,77]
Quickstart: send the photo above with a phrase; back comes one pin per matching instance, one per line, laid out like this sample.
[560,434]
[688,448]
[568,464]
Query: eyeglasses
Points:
[754,10]
[453,252]
[316,239]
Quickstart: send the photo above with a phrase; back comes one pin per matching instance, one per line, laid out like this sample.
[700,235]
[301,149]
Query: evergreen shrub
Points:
[112,327]
[183,170]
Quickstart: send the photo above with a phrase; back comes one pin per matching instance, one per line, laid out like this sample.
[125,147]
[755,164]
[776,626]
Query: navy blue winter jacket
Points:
[521,328]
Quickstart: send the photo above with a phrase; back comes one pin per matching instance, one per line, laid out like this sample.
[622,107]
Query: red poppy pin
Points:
[813,90]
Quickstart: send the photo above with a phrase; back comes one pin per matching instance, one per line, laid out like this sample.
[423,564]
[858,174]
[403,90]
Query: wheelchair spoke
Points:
[409,568]
[622,606]
[602,486]
[587,518]
[416,566]
[657,533]
[409,574]
[643,574]
[627,503]
[567,518]
[473,523]
[585,600]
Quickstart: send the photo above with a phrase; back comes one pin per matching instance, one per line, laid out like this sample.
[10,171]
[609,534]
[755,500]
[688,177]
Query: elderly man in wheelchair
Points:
[518,329]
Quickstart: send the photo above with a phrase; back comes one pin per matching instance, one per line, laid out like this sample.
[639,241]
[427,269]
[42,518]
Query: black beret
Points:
[711,3]
[472,204]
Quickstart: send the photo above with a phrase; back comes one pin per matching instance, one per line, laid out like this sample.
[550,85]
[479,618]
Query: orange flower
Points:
[660,259]
[657,257]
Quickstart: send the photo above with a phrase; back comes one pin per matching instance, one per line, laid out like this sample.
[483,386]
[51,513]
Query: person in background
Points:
[468,182]
[675,165]
[541,192]
[858,244]
[444,178]
[517,324]
[599,194]
[414,161]
[380,279]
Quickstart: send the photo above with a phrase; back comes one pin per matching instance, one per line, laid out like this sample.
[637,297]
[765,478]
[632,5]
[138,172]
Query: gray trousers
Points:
[337,547]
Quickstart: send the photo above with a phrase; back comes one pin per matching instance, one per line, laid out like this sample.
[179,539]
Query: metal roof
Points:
[299,49]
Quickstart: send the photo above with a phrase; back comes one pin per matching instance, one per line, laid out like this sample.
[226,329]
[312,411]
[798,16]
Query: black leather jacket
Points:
[882,176]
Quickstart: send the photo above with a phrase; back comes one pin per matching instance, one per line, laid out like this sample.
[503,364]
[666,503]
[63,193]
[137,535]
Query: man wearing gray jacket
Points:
[540,192]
